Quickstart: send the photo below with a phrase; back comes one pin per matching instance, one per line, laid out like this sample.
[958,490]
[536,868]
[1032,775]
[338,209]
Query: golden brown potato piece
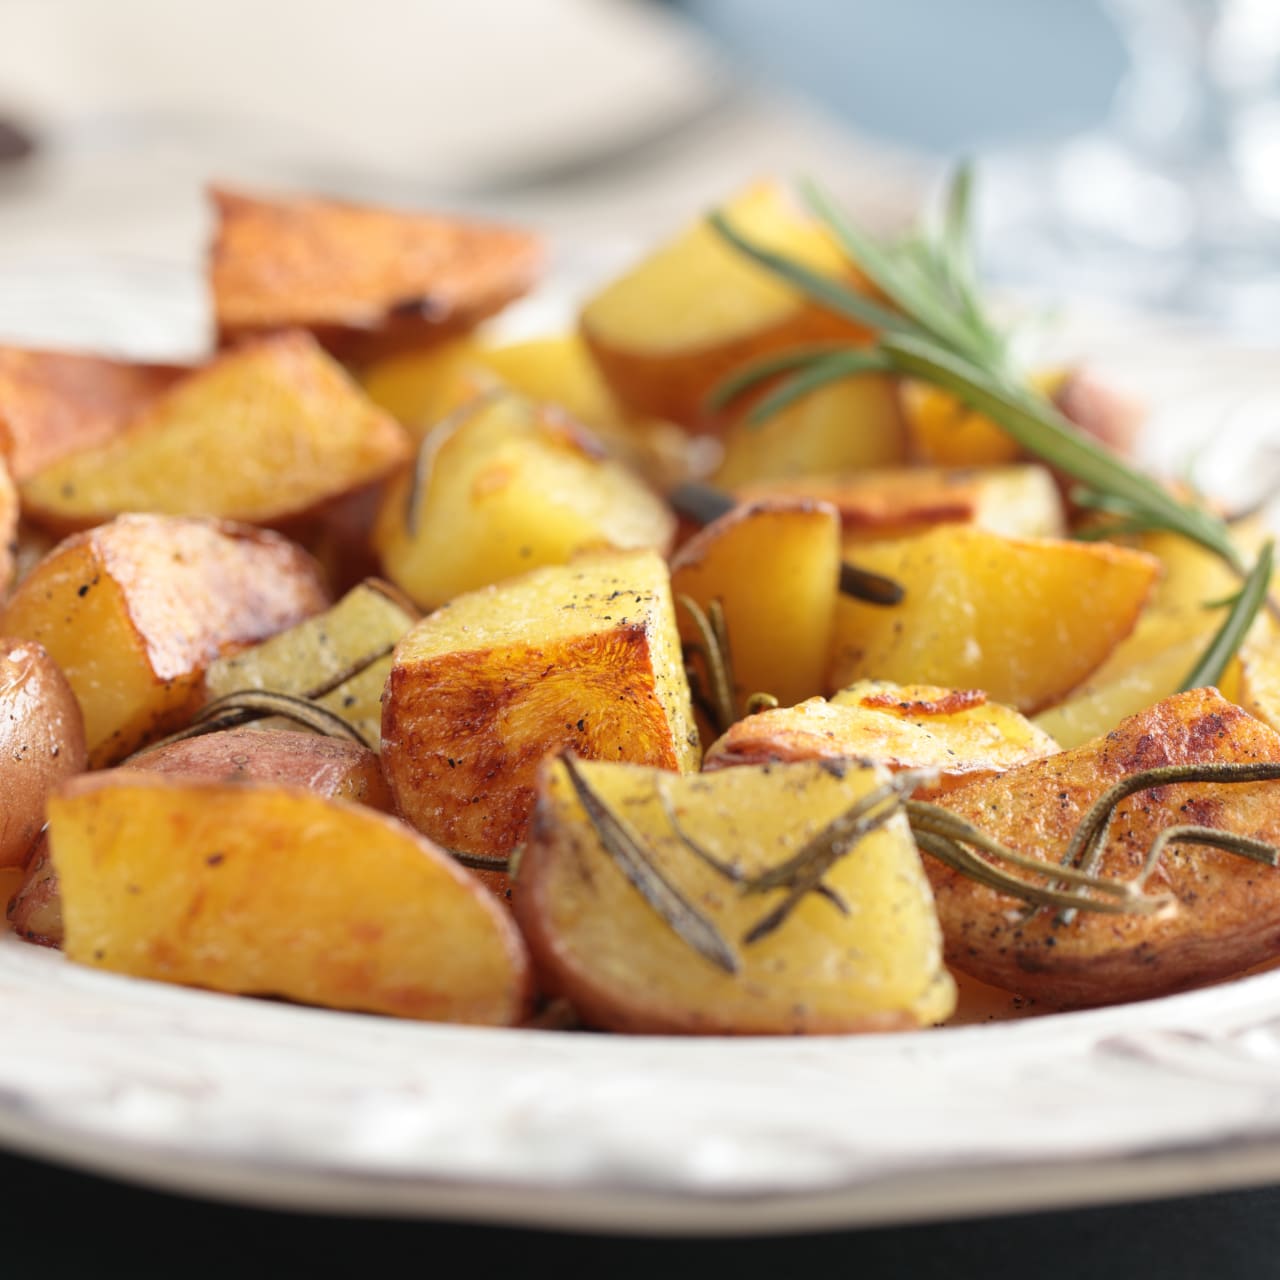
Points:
[423,387]
[596,940]
[264,434]
[1019,501]
[366,281]
[504,487]
[584,656]
[955,731]
[133,611]
[353,639]
[41,742]
[330,767]
[265,890]
[1024,620]
[846,426]
[774,566]
[1226,915]
[696,310]
[942,431]
[1148,665]
[53,403]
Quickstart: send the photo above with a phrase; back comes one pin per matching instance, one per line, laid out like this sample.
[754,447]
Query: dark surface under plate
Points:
[57,1222]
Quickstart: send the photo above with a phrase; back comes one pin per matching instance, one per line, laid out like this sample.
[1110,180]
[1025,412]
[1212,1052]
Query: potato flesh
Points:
[956,732]
[584,657]
[307,657]
[1147,666]
[845,426]
[366,280]
[53,403]
[214,885]
[1227,909]
[41,742]
[263,434]
[507,488]
[1019,501]
[134,611]
[332,767]
[774,568]
[600,943]
[696,310]
[1024,620]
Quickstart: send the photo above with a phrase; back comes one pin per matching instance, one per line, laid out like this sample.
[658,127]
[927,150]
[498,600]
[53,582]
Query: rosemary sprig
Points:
[936,329]
[635,860]
[1235,626]
[1072,885]
[715,695]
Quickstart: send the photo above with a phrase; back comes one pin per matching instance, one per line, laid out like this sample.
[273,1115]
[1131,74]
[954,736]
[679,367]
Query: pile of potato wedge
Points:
[365,664]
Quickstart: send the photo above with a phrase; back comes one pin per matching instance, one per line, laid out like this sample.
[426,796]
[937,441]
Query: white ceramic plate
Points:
[267,1103]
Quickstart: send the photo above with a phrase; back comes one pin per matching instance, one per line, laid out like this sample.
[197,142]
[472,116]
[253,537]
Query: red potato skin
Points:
[53,403]
[41,742]
[1226,915]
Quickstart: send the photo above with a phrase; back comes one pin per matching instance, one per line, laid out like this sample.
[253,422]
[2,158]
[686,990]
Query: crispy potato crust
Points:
[1227,915]
[957,732]
[133,611]
[53,403]
[366,281]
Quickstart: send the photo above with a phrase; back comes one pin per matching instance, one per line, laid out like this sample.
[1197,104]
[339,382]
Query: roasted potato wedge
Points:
[135,610]
[353,639]
[1018,501]
[943,432]
[504,487]
[1024,620]
[366,281]
[422,388]
[845,426]
[1148,665]
[265,890]
[774,567]
[584,656]
[264,434]
[330,767]
[41,742]
[668,331]
[1225,915]
[54,403]
[955,731]
[596,940]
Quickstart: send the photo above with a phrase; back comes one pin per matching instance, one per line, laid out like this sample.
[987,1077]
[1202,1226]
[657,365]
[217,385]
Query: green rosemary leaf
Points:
[758,371]
[1235,626]
[819,373]
[899,278]
[1036,425]
[623,844]
[828,292]
[956,241]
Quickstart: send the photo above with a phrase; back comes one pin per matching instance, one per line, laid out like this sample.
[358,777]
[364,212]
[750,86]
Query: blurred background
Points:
[1129,149]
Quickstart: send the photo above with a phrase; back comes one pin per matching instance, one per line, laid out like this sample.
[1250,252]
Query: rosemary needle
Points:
[929,323]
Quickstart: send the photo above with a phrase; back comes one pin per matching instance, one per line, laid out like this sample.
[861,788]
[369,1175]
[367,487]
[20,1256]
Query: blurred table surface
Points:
[121,158]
